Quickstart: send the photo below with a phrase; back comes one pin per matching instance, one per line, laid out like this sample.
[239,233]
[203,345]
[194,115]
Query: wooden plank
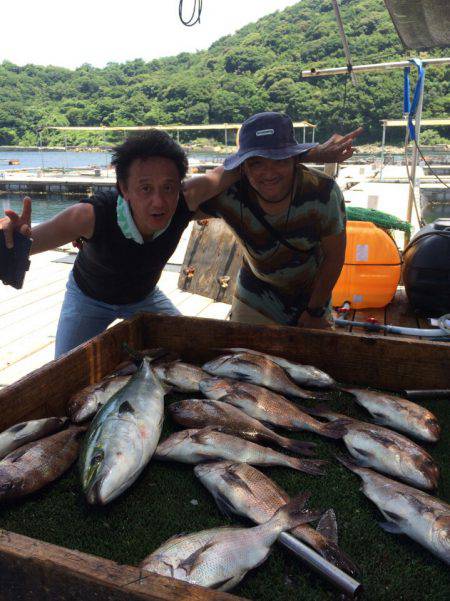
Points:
[213,253]
[32,570]
[48,389]
[355,358]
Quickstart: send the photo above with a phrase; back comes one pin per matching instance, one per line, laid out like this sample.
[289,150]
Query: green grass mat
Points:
[159,506]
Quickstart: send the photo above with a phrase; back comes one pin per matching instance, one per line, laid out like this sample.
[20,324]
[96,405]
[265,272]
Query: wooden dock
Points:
[29,317]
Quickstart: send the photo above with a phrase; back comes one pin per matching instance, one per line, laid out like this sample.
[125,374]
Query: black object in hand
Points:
[14,262]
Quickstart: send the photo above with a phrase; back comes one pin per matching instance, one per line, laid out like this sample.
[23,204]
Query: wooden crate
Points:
[31,569]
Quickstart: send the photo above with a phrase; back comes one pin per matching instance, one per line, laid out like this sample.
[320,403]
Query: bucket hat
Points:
[268,135]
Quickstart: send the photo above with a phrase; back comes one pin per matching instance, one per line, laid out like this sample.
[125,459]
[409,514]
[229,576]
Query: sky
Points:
[68,34]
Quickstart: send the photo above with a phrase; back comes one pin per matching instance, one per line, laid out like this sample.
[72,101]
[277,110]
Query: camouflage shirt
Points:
[275,280]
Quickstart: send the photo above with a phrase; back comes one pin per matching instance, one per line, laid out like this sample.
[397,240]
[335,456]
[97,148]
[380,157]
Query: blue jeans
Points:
[83,317]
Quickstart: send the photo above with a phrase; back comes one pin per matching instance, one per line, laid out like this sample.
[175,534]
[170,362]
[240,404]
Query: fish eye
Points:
[98,458]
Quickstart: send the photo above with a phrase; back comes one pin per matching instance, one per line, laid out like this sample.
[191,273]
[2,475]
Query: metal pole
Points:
[383,140]
[414,158]
[344,42]
[373,67]
[226,136]
[313,134]
[304,134]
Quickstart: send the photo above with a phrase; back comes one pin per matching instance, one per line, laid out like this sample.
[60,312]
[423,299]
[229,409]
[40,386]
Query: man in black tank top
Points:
[126,237]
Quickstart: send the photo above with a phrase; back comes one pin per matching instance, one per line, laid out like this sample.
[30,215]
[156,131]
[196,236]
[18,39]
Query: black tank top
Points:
[116,270]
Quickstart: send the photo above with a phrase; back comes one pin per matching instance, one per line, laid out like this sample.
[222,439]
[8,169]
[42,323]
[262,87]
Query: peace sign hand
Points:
[13,222]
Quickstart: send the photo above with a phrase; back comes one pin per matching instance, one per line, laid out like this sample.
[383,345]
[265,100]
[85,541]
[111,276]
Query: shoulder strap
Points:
[257,212]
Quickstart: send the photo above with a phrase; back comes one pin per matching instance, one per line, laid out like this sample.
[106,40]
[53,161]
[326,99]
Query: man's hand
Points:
[335,150]
[15,223]
[316,323]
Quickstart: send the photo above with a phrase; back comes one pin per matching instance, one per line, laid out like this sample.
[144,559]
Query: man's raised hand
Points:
[12,222]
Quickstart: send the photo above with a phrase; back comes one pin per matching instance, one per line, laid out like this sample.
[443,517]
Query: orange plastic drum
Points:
[371,270]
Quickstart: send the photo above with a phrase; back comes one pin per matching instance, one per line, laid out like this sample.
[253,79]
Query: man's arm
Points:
[198,189]
[70,224]
[327,275]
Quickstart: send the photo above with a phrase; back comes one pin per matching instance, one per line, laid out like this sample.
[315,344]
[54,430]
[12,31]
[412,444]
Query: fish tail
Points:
[349,463]
[296,446]
[332,553]
[293,514]
[309,466]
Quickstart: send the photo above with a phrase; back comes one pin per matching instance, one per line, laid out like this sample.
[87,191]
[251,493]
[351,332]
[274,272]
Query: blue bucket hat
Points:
[268,135]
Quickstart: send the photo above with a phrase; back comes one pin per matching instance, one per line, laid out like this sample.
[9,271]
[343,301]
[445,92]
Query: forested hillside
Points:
[258,68]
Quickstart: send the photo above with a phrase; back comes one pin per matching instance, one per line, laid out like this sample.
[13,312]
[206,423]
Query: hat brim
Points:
[277,154]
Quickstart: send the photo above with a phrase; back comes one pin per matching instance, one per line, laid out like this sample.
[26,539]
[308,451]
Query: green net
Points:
[383,220]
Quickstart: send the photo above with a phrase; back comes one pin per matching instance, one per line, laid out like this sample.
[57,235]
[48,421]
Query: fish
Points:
[220,557]
[407,510]
[84,404]
[195,413]
[123,436]
[20,434]
[195,446]
[268,407]
[183,376]
[34,465]
[241,489]
[305,375]
[398,413]
[258,370]
[386,451]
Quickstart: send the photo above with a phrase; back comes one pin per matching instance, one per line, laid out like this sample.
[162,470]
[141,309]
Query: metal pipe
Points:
[415,157]
[428,394]
[373,67]
[333,574]
[383,142]
[345,45]
[378,327]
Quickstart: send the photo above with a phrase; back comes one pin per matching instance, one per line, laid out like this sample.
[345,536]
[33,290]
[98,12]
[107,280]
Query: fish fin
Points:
[229,583]
[328,527]
[190,562]
[201,435]
[309,466]
[390,527]
[16,455]
[336,429]
[17,428]
[364,459]
[224,505]
[319,410]
[294,513]
[125,407]
[232,478]
[297,446]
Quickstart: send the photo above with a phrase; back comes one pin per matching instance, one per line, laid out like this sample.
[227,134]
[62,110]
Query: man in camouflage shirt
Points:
[290,221]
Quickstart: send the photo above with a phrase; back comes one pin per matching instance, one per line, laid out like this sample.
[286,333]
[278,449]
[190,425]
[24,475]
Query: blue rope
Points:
[408,107]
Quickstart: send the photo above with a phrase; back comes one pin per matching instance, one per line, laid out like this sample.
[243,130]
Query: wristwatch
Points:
[316,311]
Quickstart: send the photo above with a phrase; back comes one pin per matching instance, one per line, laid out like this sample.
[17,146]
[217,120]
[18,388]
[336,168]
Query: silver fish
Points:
[183,376]
[195,446]
[267,406]
[242,489]
[386,451]
[256,369]
[305,375]
[220,557]
[84,404]
[25,432]
[123,436]
[38,463]
[400,414]
[407,510]
[193,413]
